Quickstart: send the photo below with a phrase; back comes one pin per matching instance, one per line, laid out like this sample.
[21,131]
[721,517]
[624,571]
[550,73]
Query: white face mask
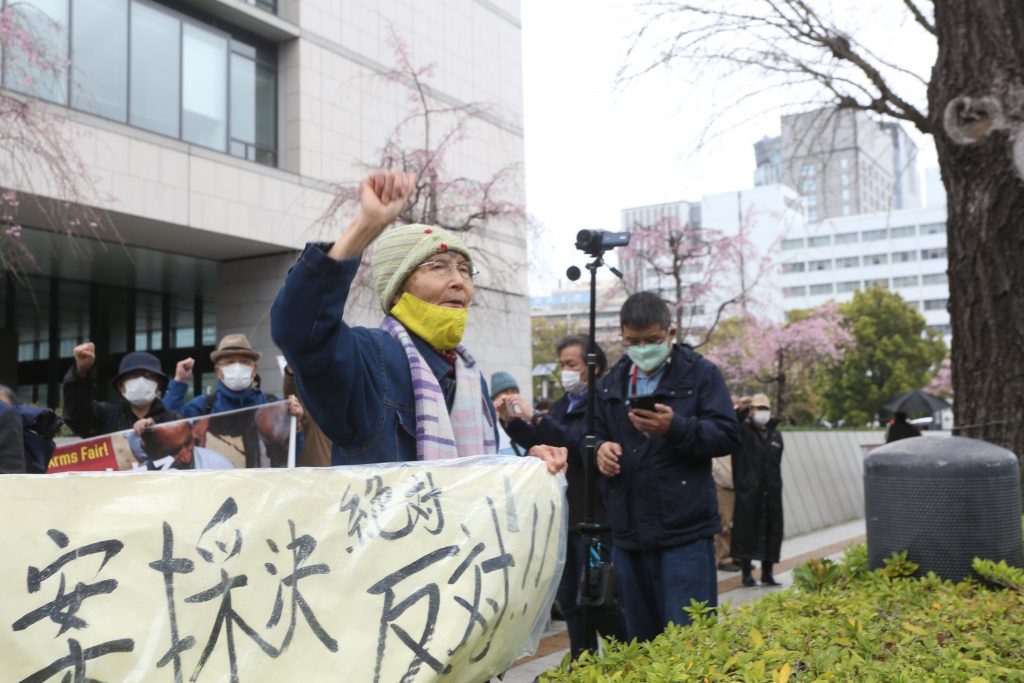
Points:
[237,376]
[762,416]
[572,383]
[139,391]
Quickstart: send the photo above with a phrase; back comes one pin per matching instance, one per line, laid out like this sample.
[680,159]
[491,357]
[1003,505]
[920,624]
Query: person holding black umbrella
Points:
[899,428]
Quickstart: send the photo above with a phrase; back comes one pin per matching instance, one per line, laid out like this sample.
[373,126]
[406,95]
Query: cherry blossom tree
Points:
[41,173]
[702,273]
[778,358]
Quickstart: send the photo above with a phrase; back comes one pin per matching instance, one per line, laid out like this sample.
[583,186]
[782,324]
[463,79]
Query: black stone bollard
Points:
[945,501]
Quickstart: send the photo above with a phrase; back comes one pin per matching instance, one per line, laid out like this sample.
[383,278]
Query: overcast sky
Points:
[594,147]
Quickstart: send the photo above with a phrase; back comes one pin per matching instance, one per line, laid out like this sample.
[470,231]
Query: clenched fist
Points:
[85,356]
[183,370]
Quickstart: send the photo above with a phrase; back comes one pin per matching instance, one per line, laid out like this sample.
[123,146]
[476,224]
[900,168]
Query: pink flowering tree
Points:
[423,142]
[42,178]
[942,383]
[703,274]
[780,358]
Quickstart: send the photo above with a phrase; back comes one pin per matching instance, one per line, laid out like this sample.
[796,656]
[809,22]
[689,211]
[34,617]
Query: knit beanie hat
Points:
[400,250]
[500,381]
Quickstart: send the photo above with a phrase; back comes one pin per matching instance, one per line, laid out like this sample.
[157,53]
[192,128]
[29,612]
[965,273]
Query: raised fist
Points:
[183,371]
[85,356]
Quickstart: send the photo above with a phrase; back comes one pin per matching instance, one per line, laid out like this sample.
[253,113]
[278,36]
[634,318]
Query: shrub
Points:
[839,623]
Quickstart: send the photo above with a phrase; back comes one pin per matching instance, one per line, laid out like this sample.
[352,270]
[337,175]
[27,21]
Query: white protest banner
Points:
[402,572]
[260,436]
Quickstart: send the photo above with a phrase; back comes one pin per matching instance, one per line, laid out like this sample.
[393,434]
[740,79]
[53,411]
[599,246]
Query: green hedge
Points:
[840,622]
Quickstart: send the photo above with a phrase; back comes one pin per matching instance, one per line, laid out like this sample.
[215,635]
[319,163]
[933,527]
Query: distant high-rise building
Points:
[842,162]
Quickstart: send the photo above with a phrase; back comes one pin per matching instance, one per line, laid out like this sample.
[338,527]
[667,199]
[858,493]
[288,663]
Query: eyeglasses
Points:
[172,452]
[446,268]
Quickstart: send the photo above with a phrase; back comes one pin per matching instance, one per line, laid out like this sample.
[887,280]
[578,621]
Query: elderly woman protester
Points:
[408,390]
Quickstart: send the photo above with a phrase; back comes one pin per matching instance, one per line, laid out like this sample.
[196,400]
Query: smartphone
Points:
[643,401]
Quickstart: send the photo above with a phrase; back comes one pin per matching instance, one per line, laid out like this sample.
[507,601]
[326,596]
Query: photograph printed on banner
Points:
[250,437]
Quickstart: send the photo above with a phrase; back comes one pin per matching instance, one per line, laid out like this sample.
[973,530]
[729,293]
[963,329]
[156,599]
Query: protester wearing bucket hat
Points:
[139,381]
[236,363]
[757,525]
[358,382]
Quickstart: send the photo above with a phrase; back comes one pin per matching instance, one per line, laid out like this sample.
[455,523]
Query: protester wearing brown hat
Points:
[236,363]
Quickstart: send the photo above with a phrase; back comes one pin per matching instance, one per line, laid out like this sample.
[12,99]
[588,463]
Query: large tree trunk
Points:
[981,55]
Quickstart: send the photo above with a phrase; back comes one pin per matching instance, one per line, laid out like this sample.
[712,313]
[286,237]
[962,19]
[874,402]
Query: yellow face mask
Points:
[439,326]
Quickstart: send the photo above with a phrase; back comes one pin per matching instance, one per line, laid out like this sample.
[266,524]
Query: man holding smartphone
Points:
[663,413]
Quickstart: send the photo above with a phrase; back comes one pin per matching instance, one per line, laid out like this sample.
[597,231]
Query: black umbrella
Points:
[915,401]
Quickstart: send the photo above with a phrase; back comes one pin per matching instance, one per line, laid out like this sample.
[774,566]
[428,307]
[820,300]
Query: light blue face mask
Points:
[649,356]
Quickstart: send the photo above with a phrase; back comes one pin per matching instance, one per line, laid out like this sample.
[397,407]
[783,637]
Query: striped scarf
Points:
[469,430]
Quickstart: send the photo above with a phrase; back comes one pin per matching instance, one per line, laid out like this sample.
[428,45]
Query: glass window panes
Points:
[112,317]
[823,264]
[881,282]
[821,289]
[876,260]
[183,321]
[812,215]
[33,319]
[932,254]
[73,316]
[872,235]
[811,200]
[848,262]
[38,66]
[820,241]
[935,279]
[793,267]
[946,329]
[794,291]
[99,51]
[253,110]
[904,256]
[204,87]
[904,281]
[148,321]
[848,286]
[933,228]
[808,170]
[795,243]
[903,231]
[209,322]
[810,185]
[847,238]
[935,304]
[155,73]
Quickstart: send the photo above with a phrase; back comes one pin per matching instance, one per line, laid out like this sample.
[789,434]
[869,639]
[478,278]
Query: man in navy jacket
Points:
[656,467]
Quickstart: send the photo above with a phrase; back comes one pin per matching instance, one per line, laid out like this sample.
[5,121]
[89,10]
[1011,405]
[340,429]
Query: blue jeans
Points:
[657,584]
[608,621]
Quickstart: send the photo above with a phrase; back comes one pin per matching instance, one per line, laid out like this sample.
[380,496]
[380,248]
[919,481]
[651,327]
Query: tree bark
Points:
[981,55]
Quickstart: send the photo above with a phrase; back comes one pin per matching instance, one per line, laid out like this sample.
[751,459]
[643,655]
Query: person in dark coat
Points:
[900,429]
[757,525]
[565,425]
[139,380]
[358,383]
[12,443]
[656,467]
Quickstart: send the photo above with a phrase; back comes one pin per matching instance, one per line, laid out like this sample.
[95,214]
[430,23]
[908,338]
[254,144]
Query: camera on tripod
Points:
[596,242]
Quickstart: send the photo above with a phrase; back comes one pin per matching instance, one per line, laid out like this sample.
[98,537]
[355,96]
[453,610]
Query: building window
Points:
[904,282]
[881,282]
[846,209]
[945,329]
[936,304]
[847,238]
[268,5]
[844,163]
[796,243]
[808,170]
[842,287]
[876,260]
[935,279]
[812,215]
[822,241]
[933,254]
[933,229]
[823,264]
[793,267]
[904,256]
[159,70]
[790,292]
[848,262]
[809,185]
[874,235]
[811,200]
[904,231]
[845,179]
[817,290]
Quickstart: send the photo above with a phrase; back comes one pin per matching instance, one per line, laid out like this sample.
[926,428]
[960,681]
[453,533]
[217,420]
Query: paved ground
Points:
[821,543]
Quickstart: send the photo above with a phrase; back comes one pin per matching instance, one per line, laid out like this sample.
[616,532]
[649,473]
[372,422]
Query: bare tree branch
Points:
[920,18]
